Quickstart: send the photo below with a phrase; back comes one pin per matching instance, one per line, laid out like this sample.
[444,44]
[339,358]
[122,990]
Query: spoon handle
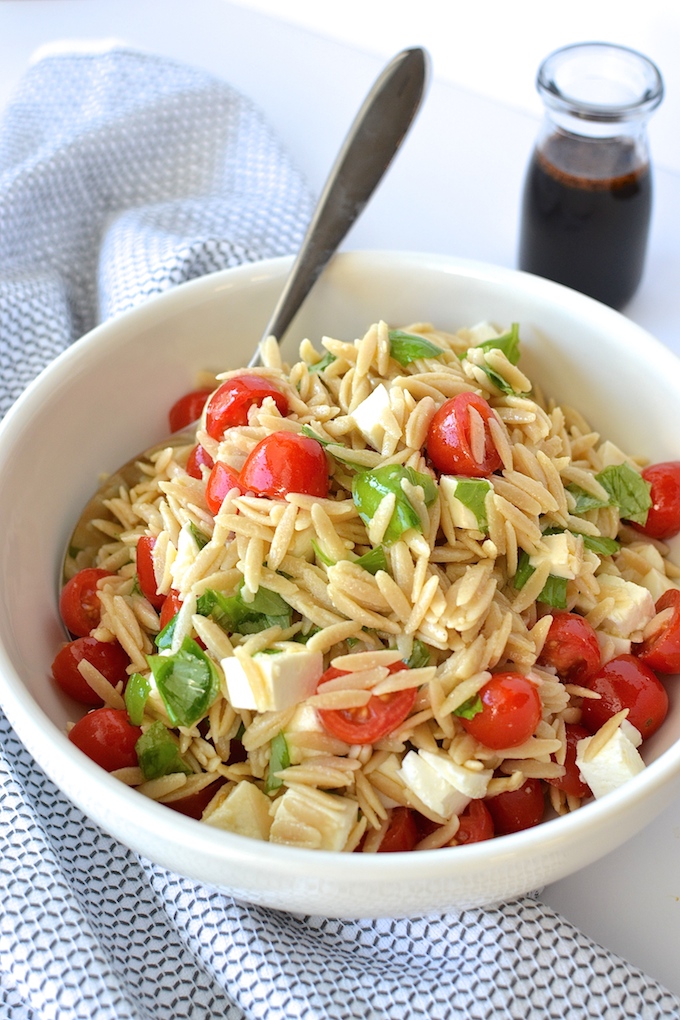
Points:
[374,138]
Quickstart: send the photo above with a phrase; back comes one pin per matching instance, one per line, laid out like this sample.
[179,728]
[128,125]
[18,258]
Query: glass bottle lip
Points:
[599,81]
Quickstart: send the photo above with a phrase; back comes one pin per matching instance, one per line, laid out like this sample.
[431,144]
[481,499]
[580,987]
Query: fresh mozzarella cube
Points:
[307,817]
[481,332]
[656,583]
[371,414]
[465,498]
[611,454]
[564,553]
[244,810]
[443,786]
[306,720]
[273,682]
[611,645]
[615,763]
[633,606]
[631,732]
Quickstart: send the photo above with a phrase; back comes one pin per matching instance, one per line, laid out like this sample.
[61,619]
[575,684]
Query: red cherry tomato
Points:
[449,442]
[401,834]
[170,607]
[663,519]
[198,457]
[571,647]
[517,809]
[194,804]
[79,603]
[511,711]
[661,651]
[229,404]
[221,480]
[571,782]
[187,409]
[626,682]
[107,656]
[476,823]
[286,462]
[145,572]
[372,721]
[107,736]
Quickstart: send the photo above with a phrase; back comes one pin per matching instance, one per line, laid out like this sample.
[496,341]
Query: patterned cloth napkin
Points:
[121,175]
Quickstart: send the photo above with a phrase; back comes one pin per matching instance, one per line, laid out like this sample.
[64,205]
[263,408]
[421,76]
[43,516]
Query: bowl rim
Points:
[29,720]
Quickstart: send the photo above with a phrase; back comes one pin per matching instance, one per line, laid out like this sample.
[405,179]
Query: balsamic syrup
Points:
[585,216]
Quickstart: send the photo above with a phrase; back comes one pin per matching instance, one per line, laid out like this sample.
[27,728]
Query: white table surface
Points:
[455,190]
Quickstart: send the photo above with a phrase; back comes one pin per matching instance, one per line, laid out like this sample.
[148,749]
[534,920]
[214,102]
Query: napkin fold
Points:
[121,175]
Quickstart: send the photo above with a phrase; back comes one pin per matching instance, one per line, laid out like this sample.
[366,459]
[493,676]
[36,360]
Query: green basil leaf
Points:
[163,639]
[600,545]
[187,682]
[233,614]
[369,488]
[320,366]
[311,434]
[584,501]
[498,380]
[137,691]
[472,493]
[508,343]
[420,655]
[279,759]
[158,754]
[373,561]
[199,537]
[321,554]
[524,570]
[628,490]
[554,592]
[470,708]
[407,347]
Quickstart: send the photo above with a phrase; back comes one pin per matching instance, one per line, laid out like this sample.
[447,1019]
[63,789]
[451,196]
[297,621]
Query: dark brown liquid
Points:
[585,216]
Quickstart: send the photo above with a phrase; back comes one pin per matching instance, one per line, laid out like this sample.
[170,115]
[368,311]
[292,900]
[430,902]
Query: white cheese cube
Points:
[633,606]
[656,582]
[371,415]
[611,454]
[273,682]
[462,515]
[611,646]
[441,784]
[244,810]
[616,763]
[563,552]
[307,817]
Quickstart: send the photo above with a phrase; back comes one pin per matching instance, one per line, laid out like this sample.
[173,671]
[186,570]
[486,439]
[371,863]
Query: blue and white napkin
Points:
[122,175]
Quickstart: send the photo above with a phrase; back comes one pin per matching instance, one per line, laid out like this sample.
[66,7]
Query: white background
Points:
[454,189]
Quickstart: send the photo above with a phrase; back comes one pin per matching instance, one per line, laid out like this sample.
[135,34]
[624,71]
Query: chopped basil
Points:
[320,366]
[420,655]
[187,682]
[369,488]
[233,614]
[407,347]
[508,343]
[321,554]
[554,591]
[472,493]
[137,691]
[311,434]
[302,639]
[373,561]
[470,708]
[279,759]
[199,537]
[600,545]
[157,753]
[163,640]
[628,490]
[584,501]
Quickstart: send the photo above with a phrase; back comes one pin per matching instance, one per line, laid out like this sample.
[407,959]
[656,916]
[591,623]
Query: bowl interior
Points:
[107,398]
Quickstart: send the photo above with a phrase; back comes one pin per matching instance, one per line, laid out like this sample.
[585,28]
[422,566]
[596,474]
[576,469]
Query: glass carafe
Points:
[588,188]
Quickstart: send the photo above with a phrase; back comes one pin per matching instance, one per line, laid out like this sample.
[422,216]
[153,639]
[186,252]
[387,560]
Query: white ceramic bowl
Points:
[106,398]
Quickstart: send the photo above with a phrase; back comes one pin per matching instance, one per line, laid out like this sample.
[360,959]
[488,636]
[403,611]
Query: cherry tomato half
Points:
[372,721]
[229,404]
[221,480]
[661,651]
[401,834]
[107,656]
[187,409]
[198,457]
[663,519]
[107,736]
[79,604]
[571,782]
[571,647]
[170,608]
[145,571]
[511,711]
[449,437]
[626,682]
[476,823]
[286,462]
[519,809]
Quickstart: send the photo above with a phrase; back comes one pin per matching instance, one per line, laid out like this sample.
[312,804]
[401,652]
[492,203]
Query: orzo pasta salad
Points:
[389,598]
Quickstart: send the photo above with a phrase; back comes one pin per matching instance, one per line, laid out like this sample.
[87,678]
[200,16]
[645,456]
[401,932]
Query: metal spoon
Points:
[371,143]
